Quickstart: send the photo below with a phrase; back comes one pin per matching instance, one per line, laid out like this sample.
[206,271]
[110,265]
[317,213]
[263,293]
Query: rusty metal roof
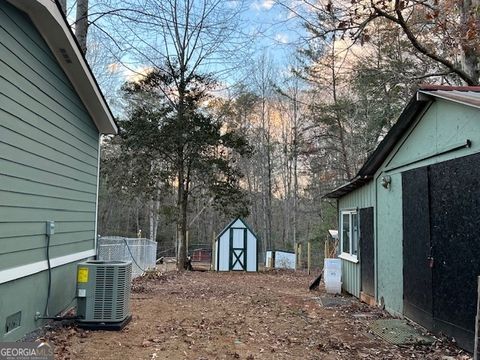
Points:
[470,98]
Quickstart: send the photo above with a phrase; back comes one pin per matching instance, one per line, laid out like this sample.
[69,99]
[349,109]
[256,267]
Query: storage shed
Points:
[236,248]
[52,114]
[409,220]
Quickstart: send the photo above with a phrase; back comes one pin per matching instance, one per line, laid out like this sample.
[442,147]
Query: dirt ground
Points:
[269,315]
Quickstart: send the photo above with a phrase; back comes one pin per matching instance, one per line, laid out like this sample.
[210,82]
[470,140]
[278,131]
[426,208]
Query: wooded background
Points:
[214,127]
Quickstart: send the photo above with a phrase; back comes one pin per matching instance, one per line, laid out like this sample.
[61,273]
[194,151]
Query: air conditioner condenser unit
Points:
[103,294]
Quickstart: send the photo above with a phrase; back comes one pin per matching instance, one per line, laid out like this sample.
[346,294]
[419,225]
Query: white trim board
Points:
[99,156]
[30,269]
[348,257]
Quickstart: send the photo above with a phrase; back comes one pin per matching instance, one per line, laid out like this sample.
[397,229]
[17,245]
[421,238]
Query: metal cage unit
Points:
[103,293]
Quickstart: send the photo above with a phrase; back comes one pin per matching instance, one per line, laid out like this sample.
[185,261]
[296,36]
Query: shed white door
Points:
[238,249]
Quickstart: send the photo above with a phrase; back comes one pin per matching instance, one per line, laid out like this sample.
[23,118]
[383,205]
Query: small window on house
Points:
[350,235]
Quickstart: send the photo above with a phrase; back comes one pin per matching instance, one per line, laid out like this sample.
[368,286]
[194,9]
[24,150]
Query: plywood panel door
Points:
[441,219]
[455,221]
[417,250]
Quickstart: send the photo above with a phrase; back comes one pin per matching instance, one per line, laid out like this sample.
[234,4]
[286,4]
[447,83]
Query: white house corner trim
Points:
[99,155]
[30,269]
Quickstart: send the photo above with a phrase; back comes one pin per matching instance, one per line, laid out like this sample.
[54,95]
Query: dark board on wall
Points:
[367,251]
[417,274]
[441,219]
[455,217]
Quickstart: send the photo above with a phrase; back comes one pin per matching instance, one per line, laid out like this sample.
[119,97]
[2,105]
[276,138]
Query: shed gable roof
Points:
[53,26]
[425,95]
[230,224]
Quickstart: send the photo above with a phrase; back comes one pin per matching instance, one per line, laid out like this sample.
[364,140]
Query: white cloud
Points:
[281,38]
[262,5]
[137,74]
[233,4]
[114,67]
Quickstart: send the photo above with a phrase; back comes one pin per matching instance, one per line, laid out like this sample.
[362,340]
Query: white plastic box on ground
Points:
[332,275]
[333,288]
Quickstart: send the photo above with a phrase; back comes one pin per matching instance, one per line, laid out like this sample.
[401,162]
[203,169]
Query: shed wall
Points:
[48,171]
[284,260]
[251,252]
[224,252]
[389,229]
[445,125]
[361,198]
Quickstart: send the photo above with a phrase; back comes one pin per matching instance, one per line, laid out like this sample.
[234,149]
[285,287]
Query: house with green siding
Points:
[52,115]
[408,221]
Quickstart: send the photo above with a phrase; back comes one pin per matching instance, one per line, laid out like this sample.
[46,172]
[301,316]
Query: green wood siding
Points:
[361,198]
[389,229]
[351,277]
[48,150]
[444,125]
[48,171]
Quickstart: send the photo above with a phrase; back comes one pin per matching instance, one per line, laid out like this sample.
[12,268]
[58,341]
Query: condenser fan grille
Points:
[108,297]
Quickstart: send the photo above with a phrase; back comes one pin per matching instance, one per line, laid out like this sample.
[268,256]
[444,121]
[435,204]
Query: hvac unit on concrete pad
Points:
[103,294]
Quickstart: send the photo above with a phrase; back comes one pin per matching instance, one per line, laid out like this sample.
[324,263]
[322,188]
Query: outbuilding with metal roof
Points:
[408,221]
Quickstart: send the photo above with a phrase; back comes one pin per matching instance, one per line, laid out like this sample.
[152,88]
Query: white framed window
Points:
[349,233]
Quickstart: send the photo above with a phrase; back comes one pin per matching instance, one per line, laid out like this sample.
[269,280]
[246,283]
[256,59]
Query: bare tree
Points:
[186,37]
[263,77]
[63,6]
[444,31]
[81,24]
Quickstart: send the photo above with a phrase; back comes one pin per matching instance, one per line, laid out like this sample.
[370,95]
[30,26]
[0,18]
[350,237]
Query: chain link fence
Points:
[141,252]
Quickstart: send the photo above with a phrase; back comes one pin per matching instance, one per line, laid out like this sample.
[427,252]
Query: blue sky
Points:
[280,31]
[274,31]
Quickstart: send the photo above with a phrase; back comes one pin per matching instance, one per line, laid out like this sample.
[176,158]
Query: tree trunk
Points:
[81,24]
[341,131]
[295,168]
[469,19]
[153,213]
[153,219]
[63,6]
[182,199]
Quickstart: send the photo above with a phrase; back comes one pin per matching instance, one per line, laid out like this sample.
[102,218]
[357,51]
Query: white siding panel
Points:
[224,252]
[268,256]
[251,252]
[284,260]
[238,224]
[215,265]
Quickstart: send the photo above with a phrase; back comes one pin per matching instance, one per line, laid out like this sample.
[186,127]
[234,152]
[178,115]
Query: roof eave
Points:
[454,97]
[51,24]
[352,185]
